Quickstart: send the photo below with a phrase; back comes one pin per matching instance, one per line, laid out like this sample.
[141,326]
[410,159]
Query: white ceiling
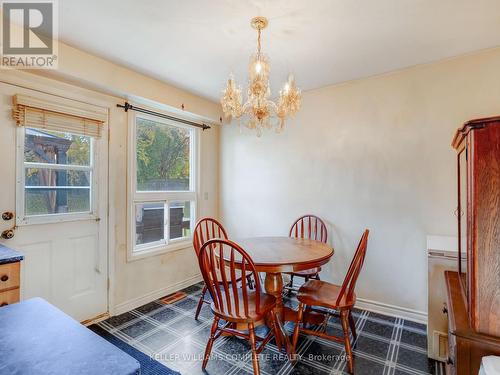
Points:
[195,44]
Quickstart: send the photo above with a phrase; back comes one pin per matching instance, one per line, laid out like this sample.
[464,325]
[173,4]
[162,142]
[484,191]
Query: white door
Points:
[58,184]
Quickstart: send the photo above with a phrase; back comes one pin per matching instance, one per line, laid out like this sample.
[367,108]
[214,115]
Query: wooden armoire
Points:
[473,304]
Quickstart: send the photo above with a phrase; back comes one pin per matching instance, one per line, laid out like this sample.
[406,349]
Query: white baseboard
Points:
[365,304]
[391,310]
[154,295]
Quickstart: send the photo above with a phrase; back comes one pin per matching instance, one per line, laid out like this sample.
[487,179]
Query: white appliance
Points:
[490,365]
[442,255]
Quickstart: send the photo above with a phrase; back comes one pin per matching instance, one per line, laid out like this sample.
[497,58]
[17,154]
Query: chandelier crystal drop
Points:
[260,112]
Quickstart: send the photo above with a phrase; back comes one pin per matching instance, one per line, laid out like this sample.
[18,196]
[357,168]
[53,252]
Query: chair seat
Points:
[267,302]
[322,293]
[309,272]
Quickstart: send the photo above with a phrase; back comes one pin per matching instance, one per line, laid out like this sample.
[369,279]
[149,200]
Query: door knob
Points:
[7,215]
[8,234]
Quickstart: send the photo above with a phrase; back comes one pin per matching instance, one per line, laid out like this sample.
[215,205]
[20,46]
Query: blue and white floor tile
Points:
[169,333]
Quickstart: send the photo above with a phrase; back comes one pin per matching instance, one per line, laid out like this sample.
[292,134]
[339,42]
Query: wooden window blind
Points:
[35,113]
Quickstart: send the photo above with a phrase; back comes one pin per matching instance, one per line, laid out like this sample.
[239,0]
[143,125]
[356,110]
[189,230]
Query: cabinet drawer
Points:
[9,297]
[9,275]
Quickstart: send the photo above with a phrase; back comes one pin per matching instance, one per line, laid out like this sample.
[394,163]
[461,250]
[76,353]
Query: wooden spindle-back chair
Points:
[207,229]
[222,262]
[310,227]
[313,228]
[334,297]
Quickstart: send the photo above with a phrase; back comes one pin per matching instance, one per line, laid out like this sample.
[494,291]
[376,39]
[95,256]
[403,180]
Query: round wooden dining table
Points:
[275,255]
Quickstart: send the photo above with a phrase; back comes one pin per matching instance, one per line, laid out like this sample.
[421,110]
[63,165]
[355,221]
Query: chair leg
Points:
[210,343]
[324,325]
[296,330]
[344,319]
[200,302]
[307,311]
[287,291]
[276,330]
[352,324]
[250,282]
[255,358]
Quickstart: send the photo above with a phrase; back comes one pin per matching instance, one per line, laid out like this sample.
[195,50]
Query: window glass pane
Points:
[56,177]
[149,222]
[163,156]
[51,191]
[45,146]
[180,219]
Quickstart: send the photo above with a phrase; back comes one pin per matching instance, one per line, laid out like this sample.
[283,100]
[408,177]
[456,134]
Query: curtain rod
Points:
[129,106]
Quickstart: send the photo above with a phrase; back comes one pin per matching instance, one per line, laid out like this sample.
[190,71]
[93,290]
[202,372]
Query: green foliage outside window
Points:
[162,156]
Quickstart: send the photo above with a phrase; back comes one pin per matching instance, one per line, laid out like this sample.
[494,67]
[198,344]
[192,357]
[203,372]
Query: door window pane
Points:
[180,219]
[45,146]
[56,191]
[163,156]
[149,222]
[52,201]
[36,177]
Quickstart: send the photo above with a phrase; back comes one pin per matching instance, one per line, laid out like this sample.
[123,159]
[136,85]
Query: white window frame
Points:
[165,245]
[21,217]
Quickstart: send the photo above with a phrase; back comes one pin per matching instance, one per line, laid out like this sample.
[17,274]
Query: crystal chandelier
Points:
[259,111]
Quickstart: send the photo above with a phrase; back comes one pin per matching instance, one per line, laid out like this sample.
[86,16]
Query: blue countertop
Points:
[37,338]
[9,256]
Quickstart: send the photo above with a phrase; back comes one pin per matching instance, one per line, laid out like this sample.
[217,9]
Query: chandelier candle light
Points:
[259,111]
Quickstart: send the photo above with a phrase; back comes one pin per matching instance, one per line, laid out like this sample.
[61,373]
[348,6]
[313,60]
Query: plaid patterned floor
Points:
[169,333]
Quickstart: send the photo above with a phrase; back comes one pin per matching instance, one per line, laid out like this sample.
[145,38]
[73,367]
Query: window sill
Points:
[158,250]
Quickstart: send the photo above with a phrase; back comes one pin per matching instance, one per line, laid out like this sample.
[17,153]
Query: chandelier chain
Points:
[258,42]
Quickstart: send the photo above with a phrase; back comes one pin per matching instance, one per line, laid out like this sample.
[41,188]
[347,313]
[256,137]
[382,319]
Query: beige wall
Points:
[84,69]
[141,280]
[372,153]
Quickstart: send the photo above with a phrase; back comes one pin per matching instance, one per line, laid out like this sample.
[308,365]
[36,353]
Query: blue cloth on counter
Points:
[9,256]
[37,338]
